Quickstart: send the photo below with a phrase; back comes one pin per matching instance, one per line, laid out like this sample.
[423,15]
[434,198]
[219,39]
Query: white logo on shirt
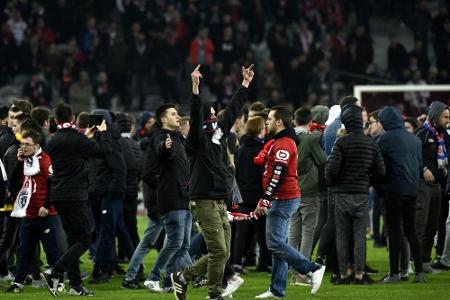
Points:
[282,154]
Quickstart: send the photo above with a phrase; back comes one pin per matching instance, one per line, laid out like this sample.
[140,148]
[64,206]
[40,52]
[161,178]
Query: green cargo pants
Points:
[212,218]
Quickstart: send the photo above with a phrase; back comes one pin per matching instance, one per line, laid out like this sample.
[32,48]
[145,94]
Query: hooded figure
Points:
[432,134]
[354,162]
[402,153]
[355,157]
[403,168]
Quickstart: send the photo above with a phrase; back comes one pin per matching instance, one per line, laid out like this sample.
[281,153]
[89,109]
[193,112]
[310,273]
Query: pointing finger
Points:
[197,68]
[251,67]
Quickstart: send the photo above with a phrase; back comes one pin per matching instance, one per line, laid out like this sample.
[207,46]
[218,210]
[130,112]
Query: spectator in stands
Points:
[102,91]
[37,90]
[80,93]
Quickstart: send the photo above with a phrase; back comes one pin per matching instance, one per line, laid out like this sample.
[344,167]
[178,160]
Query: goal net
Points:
[412,100]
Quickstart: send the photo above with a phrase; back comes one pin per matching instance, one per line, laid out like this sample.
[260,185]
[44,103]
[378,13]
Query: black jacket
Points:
[402,153]
[132,155]
[249,175]
[111,168]
[7,138]
[430,143]
[69,151]
[355,158]
[208,161]
[173,175]
[149,174]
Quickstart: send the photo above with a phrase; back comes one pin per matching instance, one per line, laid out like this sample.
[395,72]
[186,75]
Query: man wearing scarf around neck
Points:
[69,151]
[39,223]
[208,186]
[433,177]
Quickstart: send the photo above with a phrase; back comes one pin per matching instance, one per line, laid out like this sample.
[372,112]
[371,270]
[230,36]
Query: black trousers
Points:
[76,218]
[401,209]
[7,239]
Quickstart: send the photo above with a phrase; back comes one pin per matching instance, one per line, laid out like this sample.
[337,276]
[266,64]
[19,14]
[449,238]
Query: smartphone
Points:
[95,120]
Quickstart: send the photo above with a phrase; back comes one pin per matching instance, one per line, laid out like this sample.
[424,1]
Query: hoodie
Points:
[111,173]
[430,143]
[402,154]
[355,159]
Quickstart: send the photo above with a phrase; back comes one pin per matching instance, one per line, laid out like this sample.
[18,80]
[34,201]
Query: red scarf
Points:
[67,125]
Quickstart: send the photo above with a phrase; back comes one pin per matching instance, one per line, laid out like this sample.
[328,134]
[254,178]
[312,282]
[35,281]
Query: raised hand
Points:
[168,142]
[247,74]
[195,76]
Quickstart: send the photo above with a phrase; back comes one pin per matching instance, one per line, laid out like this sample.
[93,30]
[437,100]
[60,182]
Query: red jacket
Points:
[39,187]
[283,152]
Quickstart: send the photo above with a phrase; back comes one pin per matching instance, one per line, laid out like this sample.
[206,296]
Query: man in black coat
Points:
[402,153]
[110,185]
[249,178]
[433,177]
[172,197]
[209,189]
[69,151]
[354,160]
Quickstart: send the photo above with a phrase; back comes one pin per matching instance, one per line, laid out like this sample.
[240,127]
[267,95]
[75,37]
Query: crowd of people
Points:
[223,189]
[75,50]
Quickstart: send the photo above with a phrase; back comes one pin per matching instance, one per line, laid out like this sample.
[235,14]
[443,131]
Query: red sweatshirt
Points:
[282,154]
[39,187]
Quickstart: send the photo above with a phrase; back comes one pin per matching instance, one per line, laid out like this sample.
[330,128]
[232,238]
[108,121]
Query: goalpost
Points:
[415,96]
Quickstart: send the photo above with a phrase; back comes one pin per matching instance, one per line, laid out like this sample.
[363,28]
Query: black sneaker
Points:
[439,266]
[179,286]
[80,291]
[364,280]
[130,284]
[319,260]
[100,279]
[15,288]
[51,283]
[343,281]
[370,270]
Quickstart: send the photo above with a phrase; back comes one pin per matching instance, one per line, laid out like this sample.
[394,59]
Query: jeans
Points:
[401,210]
[76,218]
[427,216]
[175,253]
[213,220]
[283,254]
[149,239]
[31,232]
[111,223]
[445,259]
[351,214]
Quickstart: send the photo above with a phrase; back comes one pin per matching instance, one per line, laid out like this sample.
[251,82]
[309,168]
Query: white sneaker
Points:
[234,283]
[153,286]
[37,283]
[267,295]
[8,277]
[316,280]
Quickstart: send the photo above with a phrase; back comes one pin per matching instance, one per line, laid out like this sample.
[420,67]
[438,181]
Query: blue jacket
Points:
[329,135]
[402,153]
